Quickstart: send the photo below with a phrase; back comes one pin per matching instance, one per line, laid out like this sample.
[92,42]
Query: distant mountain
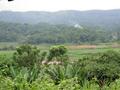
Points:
[104,19]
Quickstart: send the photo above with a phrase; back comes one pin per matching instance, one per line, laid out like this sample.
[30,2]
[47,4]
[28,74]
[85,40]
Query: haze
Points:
[56,5]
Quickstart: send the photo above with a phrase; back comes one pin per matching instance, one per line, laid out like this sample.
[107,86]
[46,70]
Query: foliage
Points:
[6,83]
[69,84]
[103,66]
[99,71]
[54,34]
[57,53]
[27,56]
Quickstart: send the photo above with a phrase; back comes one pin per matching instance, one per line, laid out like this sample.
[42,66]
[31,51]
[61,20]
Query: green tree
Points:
[27,56]
[58,53]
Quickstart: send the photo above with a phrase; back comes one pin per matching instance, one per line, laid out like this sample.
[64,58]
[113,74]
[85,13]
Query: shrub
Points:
[6,83]
[45,83]
[27,56]
[69,84]
[103,66]
[58,53]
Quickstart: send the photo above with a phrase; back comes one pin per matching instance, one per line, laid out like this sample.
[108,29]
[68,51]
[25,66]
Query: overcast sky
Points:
[55,5]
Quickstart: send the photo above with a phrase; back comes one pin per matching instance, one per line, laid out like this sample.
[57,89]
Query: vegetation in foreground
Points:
[32,69]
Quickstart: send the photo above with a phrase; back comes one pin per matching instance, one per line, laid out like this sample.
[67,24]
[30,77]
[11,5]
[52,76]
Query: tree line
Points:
[54,34]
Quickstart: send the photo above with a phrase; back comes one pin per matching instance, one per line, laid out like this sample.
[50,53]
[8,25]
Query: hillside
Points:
[76,27]
[107,20]
[53,34]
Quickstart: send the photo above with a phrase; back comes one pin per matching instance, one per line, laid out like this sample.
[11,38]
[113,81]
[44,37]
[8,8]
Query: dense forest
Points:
[54,34]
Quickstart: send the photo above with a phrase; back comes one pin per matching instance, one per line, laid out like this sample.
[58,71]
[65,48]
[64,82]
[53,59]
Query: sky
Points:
[56,5]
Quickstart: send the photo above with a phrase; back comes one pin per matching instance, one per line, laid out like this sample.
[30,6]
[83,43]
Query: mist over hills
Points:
[105,19]
[78,27]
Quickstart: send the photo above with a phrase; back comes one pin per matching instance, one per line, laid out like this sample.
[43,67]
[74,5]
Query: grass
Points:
[79,53]
[74,52]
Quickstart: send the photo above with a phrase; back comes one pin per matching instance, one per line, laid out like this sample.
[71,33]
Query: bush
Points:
[6,83]
[58,53]
[27,56]
[69,84]
[104,66]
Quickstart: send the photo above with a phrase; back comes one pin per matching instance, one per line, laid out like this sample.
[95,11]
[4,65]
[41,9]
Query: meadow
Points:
[74,51]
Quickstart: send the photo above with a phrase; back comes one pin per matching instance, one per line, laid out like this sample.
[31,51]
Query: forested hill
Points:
[108,19]
[60,27]
[53,34]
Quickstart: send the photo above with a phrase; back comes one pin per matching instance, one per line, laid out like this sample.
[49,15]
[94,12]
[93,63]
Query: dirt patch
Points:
[82,47]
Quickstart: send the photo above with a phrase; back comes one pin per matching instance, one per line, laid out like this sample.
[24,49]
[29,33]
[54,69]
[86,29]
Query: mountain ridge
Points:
[107,19]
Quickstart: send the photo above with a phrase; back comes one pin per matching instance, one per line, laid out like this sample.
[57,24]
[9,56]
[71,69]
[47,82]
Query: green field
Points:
[78,53]
[73,52]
